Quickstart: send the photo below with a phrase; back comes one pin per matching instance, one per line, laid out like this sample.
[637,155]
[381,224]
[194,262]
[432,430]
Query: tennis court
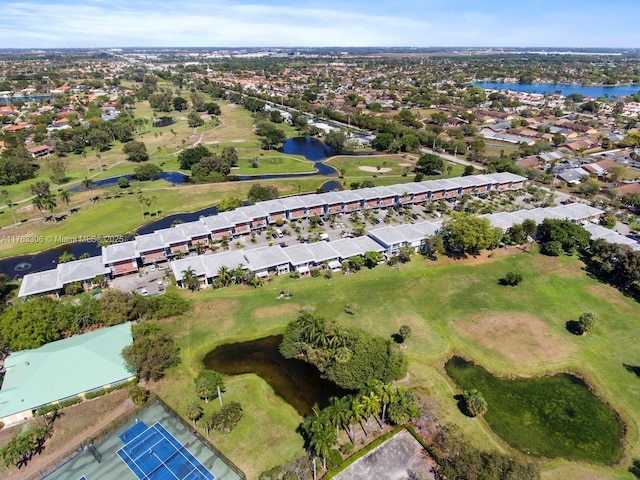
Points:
[152,453]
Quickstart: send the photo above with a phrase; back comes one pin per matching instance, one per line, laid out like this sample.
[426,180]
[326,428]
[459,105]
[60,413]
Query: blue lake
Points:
[594,91]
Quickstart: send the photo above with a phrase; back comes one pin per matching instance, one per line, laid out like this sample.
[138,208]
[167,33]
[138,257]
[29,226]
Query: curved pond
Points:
[171,177]
[295,381]
[555,416]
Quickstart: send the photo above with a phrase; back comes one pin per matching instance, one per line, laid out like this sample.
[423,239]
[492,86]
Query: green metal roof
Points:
[64,368]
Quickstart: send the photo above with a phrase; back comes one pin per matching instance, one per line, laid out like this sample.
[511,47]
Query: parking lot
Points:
[150,281]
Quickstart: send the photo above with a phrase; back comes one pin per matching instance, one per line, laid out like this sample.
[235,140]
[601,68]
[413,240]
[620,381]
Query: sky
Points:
[303,23]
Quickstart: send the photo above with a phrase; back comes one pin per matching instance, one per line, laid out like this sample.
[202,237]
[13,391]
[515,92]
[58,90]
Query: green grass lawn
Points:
[451,306]
[353,165]
[273,162]
[551,416]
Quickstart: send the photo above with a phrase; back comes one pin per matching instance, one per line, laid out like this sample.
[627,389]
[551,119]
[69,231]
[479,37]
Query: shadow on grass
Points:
[633,369]
[462,405]
[635,467]
[573,326]
[397,338]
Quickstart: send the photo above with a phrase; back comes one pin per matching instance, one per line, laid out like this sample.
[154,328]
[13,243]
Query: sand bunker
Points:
[374,169]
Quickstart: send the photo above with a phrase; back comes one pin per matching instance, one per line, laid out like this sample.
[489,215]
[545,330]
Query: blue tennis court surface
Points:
[152,453]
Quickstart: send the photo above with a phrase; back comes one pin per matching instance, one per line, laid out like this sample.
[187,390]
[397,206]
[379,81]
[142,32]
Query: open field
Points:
[389,164]
[427,296]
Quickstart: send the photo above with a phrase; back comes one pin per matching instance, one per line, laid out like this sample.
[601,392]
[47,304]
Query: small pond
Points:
[297,382]
[555,416]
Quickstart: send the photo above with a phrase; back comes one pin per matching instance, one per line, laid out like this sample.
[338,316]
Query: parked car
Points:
[160,285]
[144,292]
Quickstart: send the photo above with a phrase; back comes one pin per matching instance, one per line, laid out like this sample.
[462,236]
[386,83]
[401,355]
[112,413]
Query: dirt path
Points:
[76,425]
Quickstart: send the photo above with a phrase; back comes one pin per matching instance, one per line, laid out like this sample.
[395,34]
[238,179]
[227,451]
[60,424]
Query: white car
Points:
[144,292]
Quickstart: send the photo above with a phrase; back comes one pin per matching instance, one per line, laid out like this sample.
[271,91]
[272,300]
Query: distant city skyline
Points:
[301,23]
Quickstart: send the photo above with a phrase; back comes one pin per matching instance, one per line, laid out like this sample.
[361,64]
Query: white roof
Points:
[119,251]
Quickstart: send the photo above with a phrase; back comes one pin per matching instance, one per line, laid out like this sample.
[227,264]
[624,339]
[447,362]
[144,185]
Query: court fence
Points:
[117,423]
[209,445]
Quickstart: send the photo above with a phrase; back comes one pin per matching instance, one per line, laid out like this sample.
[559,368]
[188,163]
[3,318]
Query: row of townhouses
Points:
[168,244]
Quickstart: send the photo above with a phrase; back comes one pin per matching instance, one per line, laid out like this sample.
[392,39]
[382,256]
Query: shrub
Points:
[512,279]
[347,448]
[328,274]
[94,394]
[315,273]
[587,322]
[138,395]
[553,248]
[474,403]
[333,459]
[71,401]
[351,308]
[295,275]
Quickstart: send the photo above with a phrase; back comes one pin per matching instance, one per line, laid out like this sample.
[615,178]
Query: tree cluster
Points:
[151,353]
[21,447]
[260,193]
[42,320]
[347,357]
[465,233]
[562,236]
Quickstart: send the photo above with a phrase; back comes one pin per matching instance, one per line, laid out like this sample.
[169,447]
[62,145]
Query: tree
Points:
[372,258]
[57,169]
[569,235]
[430,163]
[382,142]
[40,188]
[405,332]
[405,253]
[207,384]
[465,233]
[179,103]
[587,322]
[227,418]
[150,355]
[190,279]
[230,155]
[322,441]
[191,156]
[529,227]
[123,182]
[194,119]
[147,171]
[87,183]
[259,193]
[336,140]
[66,257]
[65,196]
[16,165]
[194,412]
[9,203]
[212,108]
[468,170]
[474,403]
[49,202]
[136,151]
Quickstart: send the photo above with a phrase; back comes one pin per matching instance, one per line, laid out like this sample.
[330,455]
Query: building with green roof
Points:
[63,369]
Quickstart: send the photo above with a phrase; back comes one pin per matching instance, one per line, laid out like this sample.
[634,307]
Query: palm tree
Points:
[141,201]
[154,199]
[87,183]
[65,196]
[38,202]
[224,274]
[190,279]
[5,195]
[194,412]
[204,388]
[322,441]
[387,395]
[49,202]
[358,412]
[370,404]
[237,274]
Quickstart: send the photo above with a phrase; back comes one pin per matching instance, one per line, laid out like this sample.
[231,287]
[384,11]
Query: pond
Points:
[295,381]
[555,416]
[171,177]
